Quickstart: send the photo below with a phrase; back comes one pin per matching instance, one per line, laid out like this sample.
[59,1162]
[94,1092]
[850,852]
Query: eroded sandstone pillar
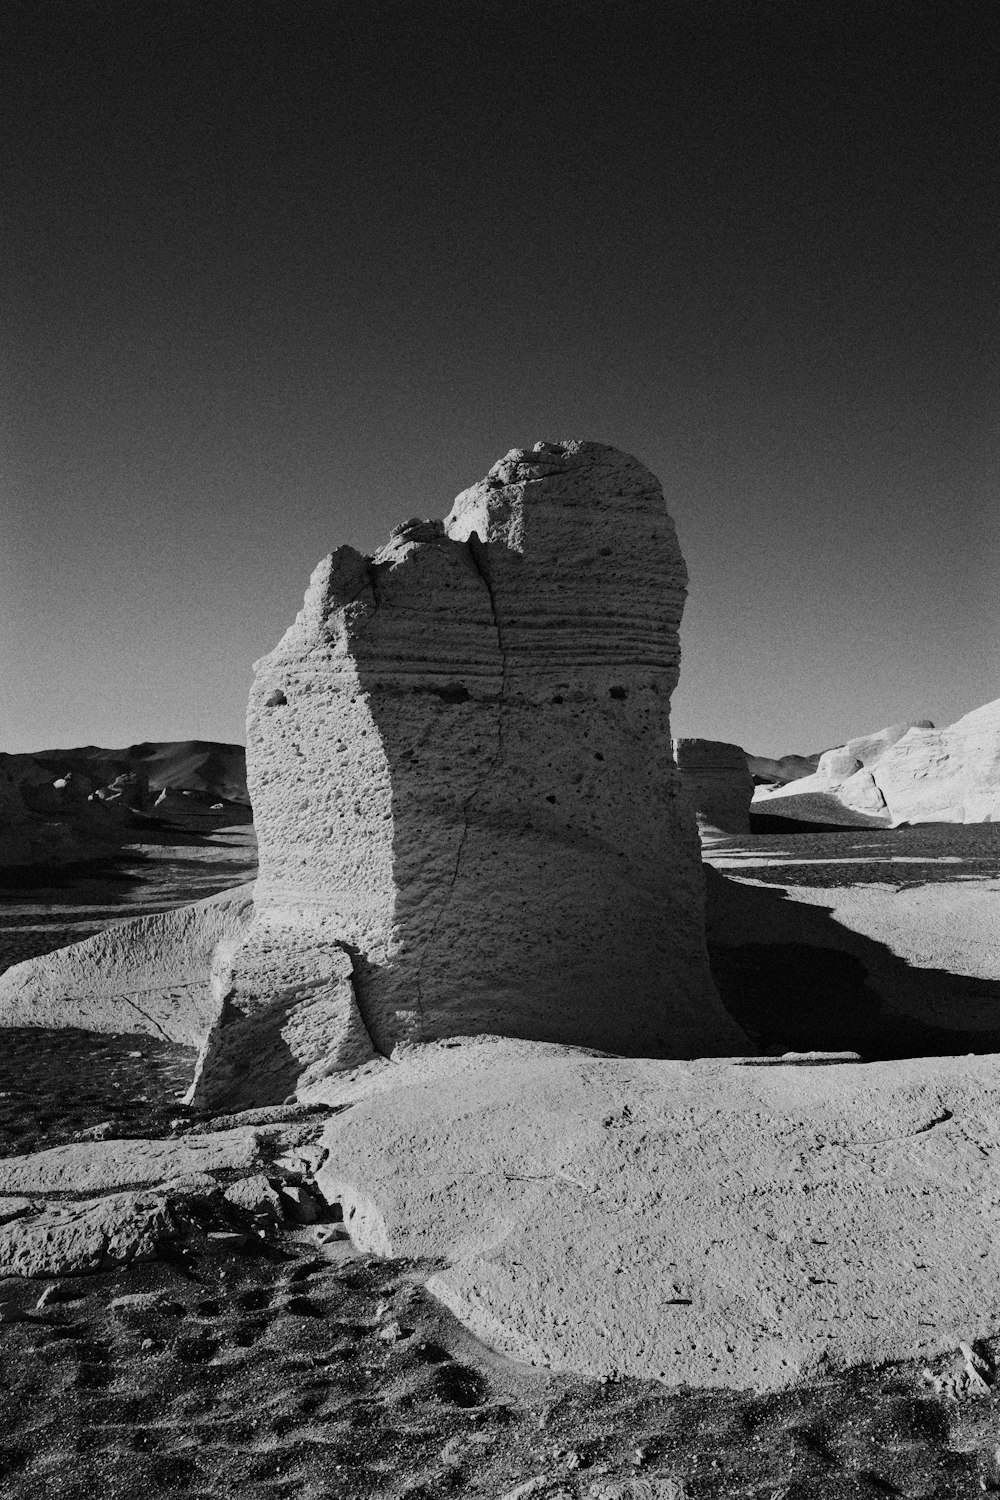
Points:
[716,780]
[468,813]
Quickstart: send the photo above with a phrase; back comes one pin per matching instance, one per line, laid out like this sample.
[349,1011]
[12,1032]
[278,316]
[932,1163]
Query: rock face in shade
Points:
[468,815]
[717,783]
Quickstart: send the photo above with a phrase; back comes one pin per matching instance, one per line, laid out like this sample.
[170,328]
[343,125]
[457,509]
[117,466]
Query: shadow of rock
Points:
[797,979]
[74,880]
[775,823]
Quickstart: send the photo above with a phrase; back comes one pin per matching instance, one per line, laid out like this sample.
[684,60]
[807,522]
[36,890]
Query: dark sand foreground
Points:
[288,1367]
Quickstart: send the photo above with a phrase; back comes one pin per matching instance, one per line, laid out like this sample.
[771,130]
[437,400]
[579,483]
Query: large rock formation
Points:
[908,773]
[717,783]
[469,819]
[842,790]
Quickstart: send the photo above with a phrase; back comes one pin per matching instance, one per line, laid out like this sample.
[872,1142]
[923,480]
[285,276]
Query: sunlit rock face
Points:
[946,775]
[460,763]
[909,773]
[717,783]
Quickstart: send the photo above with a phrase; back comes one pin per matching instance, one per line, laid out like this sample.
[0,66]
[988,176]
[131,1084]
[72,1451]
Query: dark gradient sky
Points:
[277,276]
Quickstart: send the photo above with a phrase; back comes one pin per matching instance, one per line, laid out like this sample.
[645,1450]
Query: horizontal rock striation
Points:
[717,783]
[460,764]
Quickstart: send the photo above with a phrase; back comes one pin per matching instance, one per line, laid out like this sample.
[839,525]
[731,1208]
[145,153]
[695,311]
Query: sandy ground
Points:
[931,853]
[286,1368]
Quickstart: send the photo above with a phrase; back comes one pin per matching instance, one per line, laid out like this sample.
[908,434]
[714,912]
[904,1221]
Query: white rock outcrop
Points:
[909,773]
[717,783]
[846,785]
[945,775]
[468,814]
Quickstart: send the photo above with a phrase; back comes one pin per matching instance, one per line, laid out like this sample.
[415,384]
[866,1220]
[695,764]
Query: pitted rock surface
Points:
[460,763]
[716,781]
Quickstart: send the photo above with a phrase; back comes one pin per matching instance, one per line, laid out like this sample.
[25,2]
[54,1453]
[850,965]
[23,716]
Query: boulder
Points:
[64,795]
[128,792]
[468,815]
[717,783]
[75,1237]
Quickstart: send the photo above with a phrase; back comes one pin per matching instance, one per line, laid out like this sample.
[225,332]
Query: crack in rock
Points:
[473,547]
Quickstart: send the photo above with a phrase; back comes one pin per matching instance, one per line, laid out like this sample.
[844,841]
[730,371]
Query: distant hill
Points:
[61,806]
[203,766]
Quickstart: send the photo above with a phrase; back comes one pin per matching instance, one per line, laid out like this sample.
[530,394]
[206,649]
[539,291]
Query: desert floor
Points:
[283,1367]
